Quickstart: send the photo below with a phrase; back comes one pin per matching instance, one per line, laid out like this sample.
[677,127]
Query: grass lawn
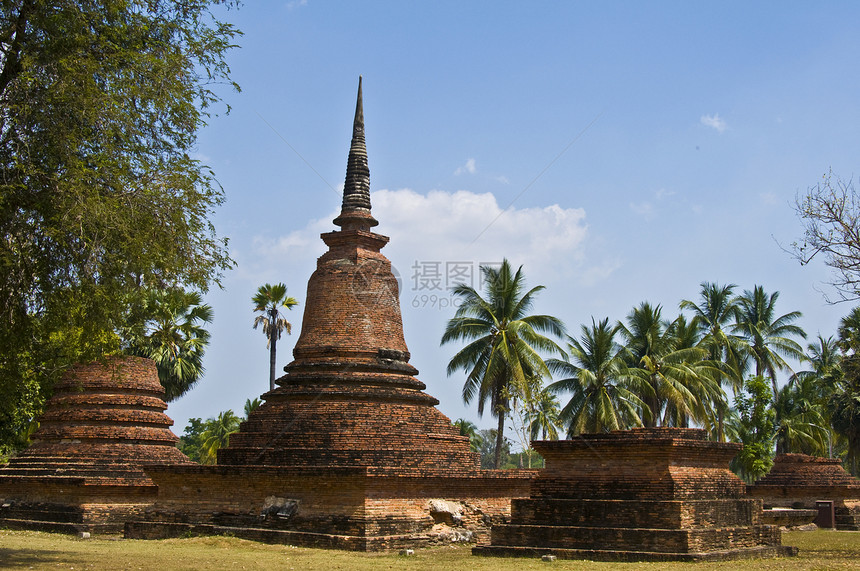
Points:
[34,550]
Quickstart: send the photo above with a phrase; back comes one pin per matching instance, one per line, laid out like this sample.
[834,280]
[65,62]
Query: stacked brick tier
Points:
[645,494]
[84,468]
[798,481]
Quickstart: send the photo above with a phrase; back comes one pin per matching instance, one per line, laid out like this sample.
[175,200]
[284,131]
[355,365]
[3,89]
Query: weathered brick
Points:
[798,481]
[642,494]
[84,468]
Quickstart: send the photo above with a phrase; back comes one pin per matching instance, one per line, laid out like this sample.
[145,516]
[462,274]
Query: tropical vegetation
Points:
[724,363]
[202,439]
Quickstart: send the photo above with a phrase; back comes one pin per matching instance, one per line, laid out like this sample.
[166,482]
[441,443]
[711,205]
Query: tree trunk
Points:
[273,340]
[500,437]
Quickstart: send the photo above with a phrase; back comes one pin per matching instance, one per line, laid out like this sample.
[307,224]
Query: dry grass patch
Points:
[33,550]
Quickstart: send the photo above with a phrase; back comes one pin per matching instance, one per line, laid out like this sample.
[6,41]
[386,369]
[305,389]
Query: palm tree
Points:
[470,429]
[172,335]
[682,386]
[767,336]
[800,422]
[503,341]
[714,314]
[269,299]
[844,403]
[251,406]
[704,382]
[604,395]
[845,413]
[217,433]
[544,417]
[820,383]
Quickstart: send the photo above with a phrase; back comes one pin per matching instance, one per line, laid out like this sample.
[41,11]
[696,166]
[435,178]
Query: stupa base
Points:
[351,508]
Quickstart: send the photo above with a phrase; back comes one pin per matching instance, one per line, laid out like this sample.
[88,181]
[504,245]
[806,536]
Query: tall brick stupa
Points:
[348,451]
[350,397]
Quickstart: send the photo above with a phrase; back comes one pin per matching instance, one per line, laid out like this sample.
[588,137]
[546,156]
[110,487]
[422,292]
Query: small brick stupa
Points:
[651,494]
[348,451]
[83,470]
[798,481]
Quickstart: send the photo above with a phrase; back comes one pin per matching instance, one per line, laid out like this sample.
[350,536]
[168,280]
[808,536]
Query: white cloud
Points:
[469,167]
[643,209]
[714,121]
[663,193]
[463,225]
[769,198]
[296,4]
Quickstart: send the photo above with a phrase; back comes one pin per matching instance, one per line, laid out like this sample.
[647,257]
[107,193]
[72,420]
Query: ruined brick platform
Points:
[660,494]
[348,451]
[83,470]
[798,481]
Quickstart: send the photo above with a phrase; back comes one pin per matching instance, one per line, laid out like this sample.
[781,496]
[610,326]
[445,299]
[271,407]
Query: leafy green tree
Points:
[171,333]
[216,435]
[753,423]
[100,105]
[769,338]
[268,300]
[191,441]
[490,456]
[604,394]
[503,341]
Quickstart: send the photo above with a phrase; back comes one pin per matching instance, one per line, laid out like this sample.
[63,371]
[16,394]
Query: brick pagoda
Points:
[83,470]
[658,494]
[348,451]
[798,481]
[351,369]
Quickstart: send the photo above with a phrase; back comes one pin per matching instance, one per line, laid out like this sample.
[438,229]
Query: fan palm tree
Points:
[268,300]
[604,394]
[503,340]
[172,335]
[768,337]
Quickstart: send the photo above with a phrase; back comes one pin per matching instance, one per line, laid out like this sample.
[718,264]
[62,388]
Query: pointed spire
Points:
[356,188]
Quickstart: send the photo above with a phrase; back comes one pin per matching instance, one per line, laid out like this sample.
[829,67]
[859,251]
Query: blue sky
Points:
[619,151]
